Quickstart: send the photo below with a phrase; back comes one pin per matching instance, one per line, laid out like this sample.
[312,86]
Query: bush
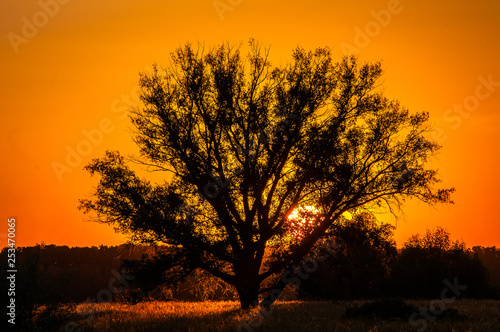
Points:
[384,309]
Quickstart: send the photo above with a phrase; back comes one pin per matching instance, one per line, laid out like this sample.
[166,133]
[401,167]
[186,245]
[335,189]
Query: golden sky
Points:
[69,68]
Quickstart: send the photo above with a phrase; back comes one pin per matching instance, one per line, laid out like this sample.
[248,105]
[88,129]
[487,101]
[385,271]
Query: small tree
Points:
[360,264]
[246,144]
[425,262]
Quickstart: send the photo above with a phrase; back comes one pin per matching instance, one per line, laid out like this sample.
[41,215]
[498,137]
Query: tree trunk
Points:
[248,291]
[247,282]
[274,294]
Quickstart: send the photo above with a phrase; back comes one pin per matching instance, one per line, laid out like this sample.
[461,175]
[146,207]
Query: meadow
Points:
[460,315]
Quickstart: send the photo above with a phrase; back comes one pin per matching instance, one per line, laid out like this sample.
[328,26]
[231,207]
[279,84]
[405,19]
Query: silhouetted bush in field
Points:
[382,308]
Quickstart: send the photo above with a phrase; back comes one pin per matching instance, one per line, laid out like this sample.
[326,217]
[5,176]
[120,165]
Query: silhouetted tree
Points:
[490,257]
[246,144]
[426,261]
[360,263]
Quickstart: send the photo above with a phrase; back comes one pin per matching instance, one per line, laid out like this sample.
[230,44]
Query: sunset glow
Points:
[296,214]
[70,77]
[302,220]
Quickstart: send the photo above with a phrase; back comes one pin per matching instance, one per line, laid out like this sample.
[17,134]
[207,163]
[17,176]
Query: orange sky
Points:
[69,67]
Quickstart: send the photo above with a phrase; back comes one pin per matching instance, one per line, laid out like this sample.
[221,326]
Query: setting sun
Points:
[302,220]
[300,212]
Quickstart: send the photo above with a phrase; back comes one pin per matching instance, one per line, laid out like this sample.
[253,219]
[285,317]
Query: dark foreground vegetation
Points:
[365,284]
[290,316]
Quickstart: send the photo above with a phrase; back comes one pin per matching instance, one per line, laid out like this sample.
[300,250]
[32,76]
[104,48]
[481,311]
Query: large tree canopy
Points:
[244,143]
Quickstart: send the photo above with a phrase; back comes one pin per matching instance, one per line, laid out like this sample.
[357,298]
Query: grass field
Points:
[470,315]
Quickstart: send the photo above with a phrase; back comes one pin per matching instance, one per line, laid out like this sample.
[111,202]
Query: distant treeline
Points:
[366,264]
[50,273]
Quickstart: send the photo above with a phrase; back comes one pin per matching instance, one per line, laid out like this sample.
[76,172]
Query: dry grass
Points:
[481,315]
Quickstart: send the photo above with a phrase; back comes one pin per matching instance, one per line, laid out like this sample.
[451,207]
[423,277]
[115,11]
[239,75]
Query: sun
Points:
[303,220]
[302,211]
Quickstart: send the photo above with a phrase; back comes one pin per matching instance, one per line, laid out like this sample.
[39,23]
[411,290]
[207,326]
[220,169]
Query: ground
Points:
[470,315]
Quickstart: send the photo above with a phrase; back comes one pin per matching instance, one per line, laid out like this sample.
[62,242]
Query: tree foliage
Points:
[425,262]
[246,143]
[360,264]
[490,257]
